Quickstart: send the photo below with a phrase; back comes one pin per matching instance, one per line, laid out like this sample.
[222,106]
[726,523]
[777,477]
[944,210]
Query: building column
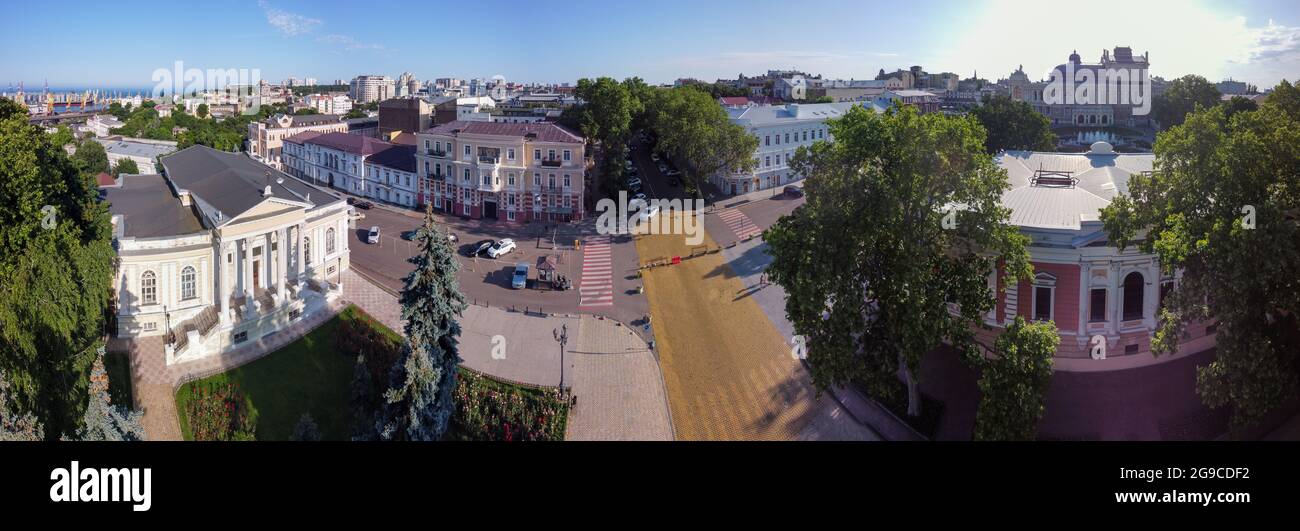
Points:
[282,263]
[1085,296]
[301,266]
[246,262]
[1114,300]
[222,281]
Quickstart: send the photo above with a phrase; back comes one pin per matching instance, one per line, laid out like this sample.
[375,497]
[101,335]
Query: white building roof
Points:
[1098,177]
[764,115]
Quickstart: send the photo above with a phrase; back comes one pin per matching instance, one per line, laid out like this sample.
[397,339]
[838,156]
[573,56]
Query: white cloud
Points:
[289,24]
[348,43]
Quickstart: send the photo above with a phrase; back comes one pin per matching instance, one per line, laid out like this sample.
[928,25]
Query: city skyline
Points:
[1256,42]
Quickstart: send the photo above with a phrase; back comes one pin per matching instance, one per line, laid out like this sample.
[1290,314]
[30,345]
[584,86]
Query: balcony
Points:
[437,154]
[552,163]
[484,159]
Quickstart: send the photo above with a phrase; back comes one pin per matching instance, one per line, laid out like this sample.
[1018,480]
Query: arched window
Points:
[188,283]
[329,240]
[1134,286]
[306,249]
[148,288]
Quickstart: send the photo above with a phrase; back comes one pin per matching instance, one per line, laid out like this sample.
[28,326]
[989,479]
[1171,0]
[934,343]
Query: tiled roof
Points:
[545,132]
[350,143]
[104,179]
[397,156]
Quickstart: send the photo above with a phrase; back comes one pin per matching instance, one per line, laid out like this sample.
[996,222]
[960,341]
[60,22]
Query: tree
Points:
[419,401]
[1013,125]
[1014,382]
[16,426]
[354,113]
[1181,97]
[362,403]
[103,421]
[201,111]
[1223,190]
[306,429]
[1286,98]
[90,158]
[62,136]
[695,131]
[879,194]
[607,109]
[305,111]
[1238,104]
[125,166]
[821,99]
[56,270]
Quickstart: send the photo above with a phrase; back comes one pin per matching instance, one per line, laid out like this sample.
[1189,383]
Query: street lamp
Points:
[562,336]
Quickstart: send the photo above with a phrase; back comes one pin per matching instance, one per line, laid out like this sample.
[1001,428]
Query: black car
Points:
[793,191]
[408,235]
[479,248]
[363,205]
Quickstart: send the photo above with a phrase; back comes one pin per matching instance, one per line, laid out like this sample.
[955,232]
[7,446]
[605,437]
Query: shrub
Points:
[489,410]
[219,412]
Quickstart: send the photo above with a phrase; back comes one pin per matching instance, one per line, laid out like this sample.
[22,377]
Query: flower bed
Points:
[219,412]
[491,410]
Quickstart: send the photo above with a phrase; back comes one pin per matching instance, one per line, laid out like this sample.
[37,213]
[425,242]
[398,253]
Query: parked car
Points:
[352,200]
[451,237]
[363,205]
[793,191]
[408,235]
[373,236]
[520,280]
[479,248]
[501,248]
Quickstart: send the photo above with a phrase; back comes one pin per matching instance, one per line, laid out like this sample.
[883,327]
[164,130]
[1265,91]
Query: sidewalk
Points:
[608,368]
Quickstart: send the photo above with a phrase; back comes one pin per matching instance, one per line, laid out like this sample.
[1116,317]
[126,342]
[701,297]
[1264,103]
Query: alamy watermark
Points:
[651,216]
[1100,86]
[237,86]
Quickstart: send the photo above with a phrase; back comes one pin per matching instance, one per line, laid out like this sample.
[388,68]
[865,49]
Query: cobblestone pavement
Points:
[611,371]
[154,383]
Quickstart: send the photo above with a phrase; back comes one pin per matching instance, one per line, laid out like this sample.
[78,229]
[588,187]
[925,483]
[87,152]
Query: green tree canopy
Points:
[869,264]
[697,133]
[1222,209]
[56,269]
[125,166]
[1181,97]
[90,159]
[1014,382]
[1013,125]
[201,111]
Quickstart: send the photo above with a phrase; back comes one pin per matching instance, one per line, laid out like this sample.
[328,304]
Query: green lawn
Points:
[307,376]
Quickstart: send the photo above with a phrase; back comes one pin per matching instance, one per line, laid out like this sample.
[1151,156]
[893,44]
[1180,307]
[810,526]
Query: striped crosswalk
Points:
[739,223]
[597,285]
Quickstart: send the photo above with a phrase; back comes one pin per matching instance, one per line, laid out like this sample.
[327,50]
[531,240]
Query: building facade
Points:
[409,115]
[220,250]
[329,103]
[266,137]
[1086,286]
[359,165]
[370,88]
[507,171]
[780,129]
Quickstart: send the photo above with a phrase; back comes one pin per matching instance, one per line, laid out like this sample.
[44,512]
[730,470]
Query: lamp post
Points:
[562,336]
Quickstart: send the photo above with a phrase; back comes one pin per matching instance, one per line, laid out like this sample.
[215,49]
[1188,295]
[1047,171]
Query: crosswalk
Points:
[739,223]
[597,286]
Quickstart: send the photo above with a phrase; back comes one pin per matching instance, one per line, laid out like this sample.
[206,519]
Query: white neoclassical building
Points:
[221,249]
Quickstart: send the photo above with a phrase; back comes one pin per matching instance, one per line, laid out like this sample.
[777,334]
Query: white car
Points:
[501,248]
[373,236]
[634,182]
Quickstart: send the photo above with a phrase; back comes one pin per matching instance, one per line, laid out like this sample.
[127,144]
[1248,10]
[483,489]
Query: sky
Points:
[121,44]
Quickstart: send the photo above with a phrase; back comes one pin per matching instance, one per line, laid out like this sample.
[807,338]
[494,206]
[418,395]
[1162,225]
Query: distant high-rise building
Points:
[371,88]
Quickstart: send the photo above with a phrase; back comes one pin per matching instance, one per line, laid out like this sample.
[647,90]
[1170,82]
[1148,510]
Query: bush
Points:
[489,410]
[219,412]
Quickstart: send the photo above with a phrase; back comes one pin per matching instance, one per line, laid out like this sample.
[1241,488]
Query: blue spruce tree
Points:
[104,421]
[418,404]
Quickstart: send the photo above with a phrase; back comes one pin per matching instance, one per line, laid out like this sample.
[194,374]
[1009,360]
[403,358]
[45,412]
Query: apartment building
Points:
[507,171]
[357,164]
[371,88]
[266,137]
[329,103]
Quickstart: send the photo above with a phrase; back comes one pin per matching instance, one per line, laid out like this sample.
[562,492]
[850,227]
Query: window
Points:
[566,180]
[551,181]
[537,179]
[510,179]
[1097,305]
[468,150]
[537,154]
[1133,286]
[329,240]
[787,138]
[767,140]
[568,155]
[550,154]
[148,288]
[767,161]
[510,154]
[187,283]
[467,175]
[306,250]
[1044,291]
[426,145]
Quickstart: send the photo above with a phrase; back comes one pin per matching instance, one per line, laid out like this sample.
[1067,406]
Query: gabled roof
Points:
[350,143]
[398,157]
[233,183]
[150,209]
